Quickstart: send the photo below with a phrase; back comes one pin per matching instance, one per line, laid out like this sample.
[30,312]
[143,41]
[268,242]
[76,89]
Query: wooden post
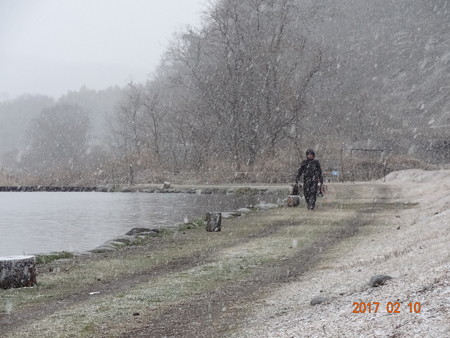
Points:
[17,271]
[213,221]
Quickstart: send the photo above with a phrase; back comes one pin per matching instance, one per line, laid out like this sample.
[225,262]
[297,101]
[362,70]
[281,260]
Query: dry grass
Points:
[245,245]
[393,242]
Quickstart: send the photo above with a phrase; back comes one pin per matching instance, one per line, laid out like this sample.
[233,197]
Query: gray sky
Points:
[52,46]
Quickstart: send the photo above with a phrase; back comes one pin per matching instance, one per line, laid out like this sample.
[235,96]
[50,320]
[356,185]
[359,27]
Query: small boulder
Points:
[126,239]
[264,206]
[230,214]
[235,213]
[136,231]
[115,244]
[317,300]
[379,280]
[104,248]
[244,210]
[226,215]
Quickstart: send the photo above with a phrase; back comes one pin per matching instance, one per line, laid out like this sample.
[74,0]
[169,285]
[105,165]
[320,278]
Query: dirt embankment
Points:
[253,279]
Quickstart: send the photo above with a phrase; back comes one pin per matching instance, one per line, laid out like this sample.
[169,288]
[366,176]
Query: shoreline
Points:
[258,276]
[122,240]
[153,188]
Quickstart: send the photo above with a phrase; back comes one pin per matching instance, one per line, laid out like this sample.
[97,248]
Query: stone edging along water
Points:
[21,188]
[243,190]
[138,236]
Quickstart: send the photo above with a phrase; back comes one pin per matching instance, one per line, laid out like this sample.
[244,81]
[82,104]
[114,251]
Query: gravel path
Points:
[411,245]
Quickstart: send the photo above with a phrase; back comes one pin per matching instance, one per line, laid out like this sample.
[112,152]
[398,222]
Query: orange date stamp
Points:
[390,307]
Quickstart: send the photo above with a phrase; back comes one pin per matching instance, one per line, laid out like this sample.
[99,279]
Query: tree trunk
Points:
[17,271]
[213,221]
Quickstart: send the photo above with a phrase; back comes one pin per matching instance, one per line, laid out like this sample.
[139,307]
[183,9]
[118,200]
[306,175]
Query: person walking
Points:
[312,177]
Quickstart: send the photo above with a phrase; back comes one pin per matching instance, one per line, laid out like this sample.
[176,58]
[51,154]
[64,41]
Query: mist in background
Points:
[48,47]
[225,91]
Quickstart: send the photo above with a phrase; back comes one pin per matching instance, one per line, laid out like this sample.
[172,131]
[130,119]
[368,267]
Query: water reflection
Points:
[42,222]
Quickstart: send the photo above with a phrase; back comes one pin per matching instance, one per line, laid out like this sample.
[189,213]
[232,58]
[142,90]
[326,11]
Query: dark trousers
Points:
[310,191]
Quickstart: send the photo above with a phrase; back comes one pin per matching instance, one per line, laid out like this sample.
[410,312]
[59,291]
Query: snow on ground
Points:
[411,245]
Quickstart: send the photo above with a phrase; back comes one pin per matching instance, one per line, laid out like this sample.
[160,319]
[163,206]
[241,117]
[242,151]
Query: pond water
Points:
[43,222]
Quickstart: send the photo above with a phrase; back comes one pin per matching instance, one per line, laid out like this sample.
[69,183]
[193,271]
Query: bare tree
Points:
[58,143]
[126,122]
[247,70]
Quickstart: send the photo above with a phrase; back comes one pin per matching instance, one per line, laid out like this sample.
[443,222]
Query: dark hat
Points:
[310,151]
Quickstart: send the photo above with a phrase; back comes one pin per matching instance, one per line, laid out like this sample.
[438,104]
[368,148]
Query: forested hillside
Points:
[389,72]
[248,92]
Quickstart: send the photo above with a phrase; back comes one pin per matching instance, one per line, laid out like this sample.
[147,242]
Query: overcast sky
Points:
[52,46]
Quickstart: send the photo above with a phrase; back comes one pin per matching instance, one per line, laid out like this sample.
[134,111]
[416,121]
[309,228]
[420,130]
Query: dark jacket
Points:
[311,171]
